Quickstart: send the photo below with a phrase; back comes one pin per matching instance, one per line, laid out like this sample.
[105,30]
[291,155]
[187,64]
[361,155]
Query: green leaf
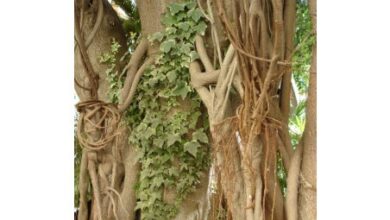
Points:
[200,28]
[168,20]
[180,16]
[194,119]
[190,5]
[184,26]
[166,46]
[199,135]
[158,142]
[181,89]
[149,132]
[158,181]
[186,48]
[196,15]
[173,171]
[170,30]
[191,147]
[176,7]
[165,158]
[156,36]
[172,138]
[171,75]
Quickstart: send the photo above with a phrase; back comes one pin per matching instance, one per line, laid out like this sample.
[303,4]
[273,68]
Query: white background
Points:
[37,107]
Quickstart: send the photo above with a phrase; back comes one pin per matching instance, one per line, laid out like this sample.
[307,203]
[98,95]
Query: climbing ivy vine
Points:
[165,117]
[113,77]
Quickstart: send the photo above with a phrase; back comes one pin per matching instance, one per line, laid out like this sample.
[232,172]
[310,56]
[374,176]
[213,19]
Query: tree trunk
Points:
[246,88]
[308,186]
[99,24]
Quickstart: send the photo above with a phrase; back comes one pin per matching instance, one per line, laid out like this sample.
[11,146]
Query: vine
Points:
[113,77]
[165,117]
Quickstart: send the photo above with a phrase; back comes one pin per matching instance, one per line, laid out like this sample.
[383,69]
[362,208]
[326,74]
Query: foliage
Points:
[304,38]
[301,66]
[297,123]
[166,115]
[114,80]
[132,26]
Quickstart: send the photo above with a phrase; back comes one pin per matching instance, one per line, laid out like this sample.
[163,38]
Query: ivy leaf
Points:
[147,163]
[186,48]
[176,7]
[166,46]
[169,20]
[158,181]
[149,132]
[173,171]
[196,15]
[199,135]
[191,147]
[172,138]
[158,142]
[180,16]
[156,36]
[153,81]
[170,30]
[165,158]
[184,26]
[181,89]
[200,28]
[171,75]
[194,119]
[191,5]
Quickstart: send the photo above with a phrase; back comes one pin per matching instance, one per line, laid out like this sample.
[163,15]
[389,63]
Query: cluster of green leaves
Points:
[165,117]
[115,83]
[301,66]
[297,123]
[303,37]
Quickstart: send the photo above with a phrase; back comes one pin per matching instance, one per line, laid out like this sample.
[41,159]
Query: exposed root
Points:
[83,188]
[95,184]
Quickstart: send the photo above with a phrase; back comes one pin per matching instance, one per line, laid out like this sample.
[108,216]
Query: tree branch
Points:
[204,94]
[134,84]
[132,67]
[203,54]
[99,19]
[199,79]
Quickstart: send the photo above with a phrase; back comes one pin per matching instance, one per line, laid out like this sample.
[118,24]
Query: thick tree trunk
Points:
[194,207]
[99,24]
